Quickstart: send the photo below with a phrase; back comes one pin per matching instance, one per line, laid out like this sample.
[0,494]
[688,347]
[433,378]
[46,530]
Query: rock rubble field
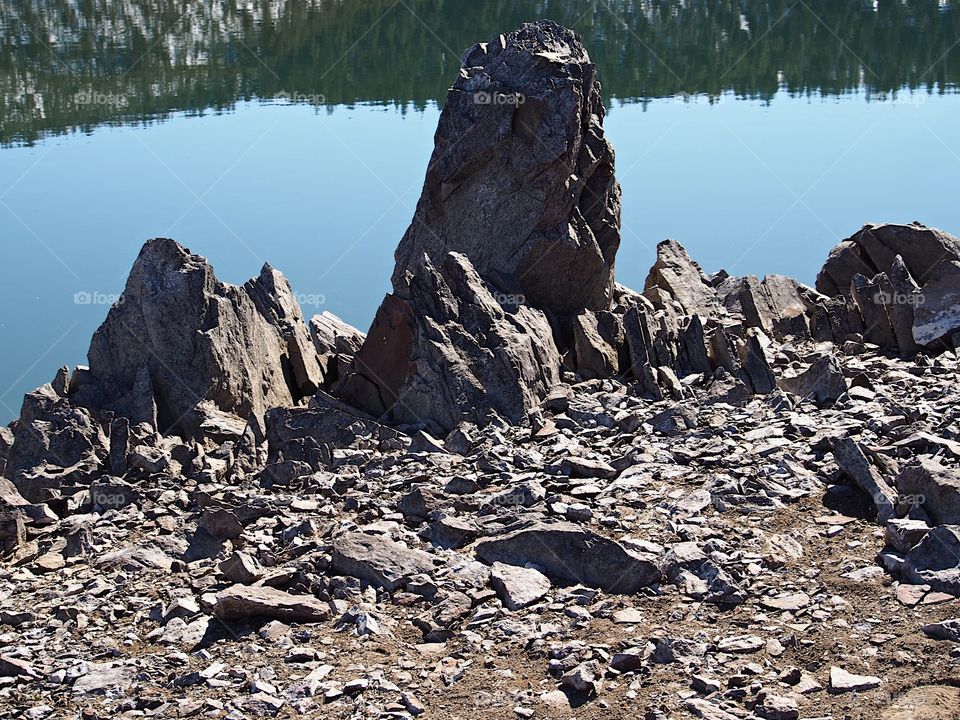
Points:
[526,492]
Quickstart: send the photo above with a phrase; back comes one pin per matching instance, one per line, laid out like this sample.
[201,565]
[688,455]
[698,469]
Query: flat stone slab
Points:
[842,681]
[103,678]
[243,601]
[792,601]
[518,587]
[570,555]
[378,560]
[741,644]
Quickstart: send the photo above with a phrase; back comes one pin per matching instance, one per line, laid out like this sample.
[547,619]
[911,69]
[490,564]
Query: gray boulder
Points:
[872,250]
[379,561]
[934,488]
[904,281]
[867,294]
[56,445]
[305,438]
[13,532]
[521,180]
[570,555]
[518,587]
[597,340]
[935,560]
[822,382]
[946,630]
[179,341]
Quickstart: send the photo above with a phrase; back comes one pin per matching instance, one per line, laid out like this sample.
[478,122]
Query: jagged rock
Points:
[522,494]
[854,463]
[243,601]
[937,318]
[56,444]
[179,339]
[581,467]
[935,560]
[241,568]
[442,350]
[791,303]
[518,587]
[933,487]
[521,180]
[677,277]
[777,707]
[747,296]
[105,678]
[823,382]
[688,567]
[584,678]
[278,306]
[568,554]
[596,339]
[905,281]
[221,523]
[6,442]
[707,710]
[336,343]
[867,294]
[11,501]
[13,532]
[902,297]
[835,319]
[421,502]
[378,561]
[149,459]
[753,360]
[872,250]
[11,667]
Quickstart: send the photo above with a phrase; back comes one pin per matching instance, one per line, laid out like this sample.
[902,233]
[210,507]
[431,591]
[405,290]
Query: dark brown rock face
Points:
[443,350]
[521,180]
[517,228]
[181,345]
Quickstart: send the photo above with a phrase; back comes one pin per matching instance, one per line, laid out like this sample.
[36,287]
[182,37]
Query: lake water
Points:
[756,133]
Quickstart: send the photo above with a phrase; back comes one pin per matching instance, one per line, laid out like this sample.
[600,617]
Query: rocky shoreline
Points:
[527,491]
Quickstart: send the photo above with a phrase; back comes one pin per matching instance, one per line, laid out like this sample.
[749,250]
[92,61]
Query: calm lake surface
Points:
[756,133]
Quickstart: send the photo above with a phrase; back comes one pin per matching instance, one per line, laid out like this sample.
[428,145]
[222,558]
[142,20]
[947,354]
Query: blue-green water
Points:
[758,149]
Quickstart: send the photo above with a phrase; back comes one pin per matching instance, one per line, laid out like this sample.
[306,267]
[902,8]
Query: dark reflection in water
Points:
[76,64]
